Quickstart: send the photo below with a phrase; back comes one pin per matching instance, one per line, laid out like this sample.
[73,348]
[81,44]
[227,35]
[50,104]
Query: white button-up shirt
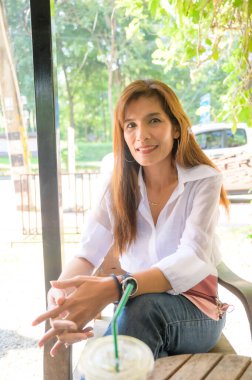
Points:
[183,244]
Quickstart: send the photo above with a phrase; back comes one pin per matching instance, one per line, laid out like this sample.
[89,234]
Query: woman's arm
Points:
[92,294]
[77,266]
[151,281]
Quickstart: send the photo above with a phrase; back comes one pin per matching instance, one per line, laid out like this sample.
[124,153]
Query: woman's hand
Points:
[90,296]
[55,297]
[67,333]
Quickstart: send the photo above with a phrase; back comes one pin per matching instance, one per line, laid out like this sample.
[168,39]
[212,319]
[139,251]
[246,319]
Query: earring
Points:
[178,144]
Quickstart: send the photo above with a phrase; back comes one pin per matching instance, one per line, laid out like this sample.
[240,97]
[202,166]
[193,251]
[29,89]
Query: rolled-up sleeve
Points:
[95,242]
[192,260]
[97,235]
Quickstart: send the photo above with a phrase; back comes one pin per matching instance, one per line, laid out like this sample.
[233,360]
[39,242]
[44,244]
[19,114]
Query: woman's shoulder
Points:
[198,172]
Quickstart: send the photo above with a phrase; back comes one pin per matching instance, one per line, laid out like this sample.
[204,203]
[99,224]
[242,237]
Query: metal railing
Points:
[79,192]
[78,195]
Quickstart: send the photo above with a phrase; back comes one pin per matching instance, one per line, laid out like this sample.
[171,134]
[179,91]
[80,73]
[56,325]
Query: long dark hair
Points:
[124,186]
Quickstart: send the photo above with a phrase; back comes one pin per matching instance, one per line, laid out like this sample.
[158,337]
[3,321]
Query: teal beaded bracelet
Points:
[119,286]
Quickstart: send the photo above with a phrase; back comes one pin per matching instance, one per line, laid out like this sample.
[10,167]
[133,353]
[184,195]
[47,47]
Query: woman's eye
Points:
[155,120]
[130,125]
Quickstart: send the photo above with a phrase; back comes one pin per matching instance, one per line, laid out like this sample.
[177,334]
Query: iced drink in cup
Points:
[97,362]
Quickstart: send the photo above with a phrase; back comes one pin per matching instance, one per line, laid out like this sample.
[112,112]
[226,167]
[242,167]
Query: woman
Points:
[159,211]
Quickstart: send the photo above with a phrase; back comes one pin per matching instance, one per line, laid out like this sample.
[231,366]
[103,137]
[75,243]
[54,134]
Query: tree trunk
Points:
[12,112]
[71,126]
[111,66]
[71,201]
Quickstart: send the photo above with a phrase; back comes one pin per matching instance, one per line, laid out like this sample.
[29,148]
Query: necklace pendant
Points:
[153,203]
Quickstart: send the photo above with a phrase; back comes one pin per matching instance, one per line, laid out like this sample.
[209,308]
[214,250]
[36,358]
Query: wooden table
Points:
[203,366]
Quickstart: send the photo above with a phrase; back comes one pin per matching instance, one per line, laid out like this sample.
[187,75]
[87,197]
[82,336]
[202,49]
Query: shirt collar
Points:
[194,173]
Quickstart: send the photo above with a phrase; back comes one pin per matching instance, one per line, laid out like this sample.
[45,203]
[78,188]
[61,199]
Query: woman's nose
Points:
[142,132]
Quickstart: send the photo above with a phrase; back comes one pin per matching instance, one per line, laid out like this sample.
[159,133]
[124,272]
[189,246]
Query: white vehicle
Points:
[231,152]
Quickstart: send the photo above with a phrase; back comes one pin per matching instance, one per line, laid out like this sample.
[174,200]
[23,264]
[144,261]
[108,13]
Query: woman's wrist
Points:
[110,289]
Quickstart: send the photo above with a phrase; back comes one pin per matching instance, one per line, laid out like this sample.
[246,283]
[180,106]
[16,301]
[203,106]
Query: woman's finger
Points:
[47,336]
[88,329]
[64,284]
[70,338]
[63,315]
[71,282]
[53,313]
[59,324]
[56,297]
[56,348]
[59,296]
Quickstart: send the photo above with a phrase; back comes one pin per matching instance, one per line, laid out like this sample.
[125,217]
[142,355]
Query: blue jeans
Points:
[169,324]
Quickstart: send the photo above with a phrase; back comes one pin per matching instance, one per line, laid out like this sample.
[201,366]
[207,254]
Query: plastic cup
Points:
[97,362]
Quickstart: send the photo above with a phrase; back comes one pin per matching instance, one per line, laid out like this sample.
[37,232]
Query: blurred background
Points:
[201,49]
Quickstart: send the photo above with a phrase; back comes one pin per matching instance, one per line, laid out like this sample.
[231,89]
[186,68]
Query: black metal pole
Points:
[58,368]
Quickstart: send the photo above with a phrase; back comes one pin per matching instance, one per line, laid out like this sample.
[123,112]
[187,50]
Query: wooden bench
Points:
[60,367]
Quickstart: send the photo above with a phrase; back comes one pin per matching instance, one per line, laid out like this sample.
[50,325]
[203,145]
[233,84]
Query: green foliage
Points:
[89,152]
[20,36]
[195,33]
[5,165]
[196,47]
[92,151]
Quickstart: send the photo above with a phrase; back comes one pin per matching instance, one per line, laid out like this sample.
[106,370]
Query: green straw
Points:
[118,311]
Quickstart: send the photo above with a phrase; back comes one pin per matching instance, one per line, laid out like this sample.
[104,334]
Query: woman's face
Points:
[148,131]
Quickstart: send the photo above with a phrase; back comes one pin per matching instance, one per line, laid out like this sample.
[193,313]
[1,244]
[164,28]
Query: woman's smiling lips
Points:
[146,149]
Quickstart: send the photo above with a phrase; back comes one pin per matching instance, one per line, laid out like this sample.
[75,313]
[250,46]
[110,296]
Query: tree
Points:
[12,109]
[101,47]
[91,51]
[19,32]
[195,33]
[93,54]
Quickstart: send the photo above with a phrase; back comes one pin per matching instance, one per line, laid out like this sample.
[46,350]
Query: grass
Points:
[92,151]
[87,155]
[4,160]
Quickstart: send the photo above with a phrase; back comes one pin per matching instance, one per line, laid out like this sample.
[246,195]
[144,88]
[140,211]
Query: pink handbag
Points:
[205,296]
